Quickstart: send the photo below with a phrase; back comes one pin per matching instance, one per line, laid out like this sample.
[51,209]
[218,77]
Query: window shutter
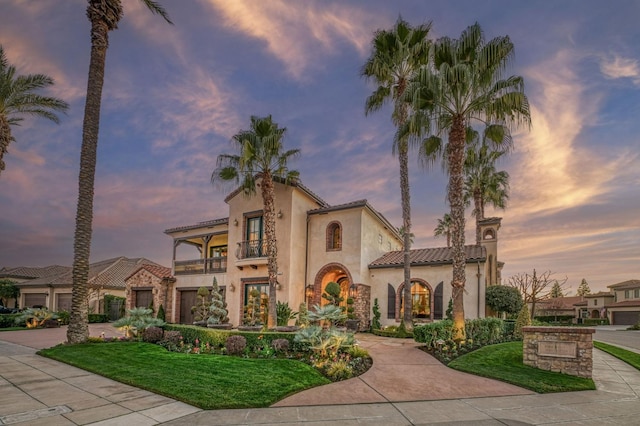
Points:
[391,302]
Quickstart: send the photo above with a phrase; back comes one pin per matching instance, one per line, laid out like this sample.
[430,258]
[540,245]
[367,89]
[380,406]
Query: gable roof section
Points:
[428,257]
[629,284]
[354,205]
[297,184]
[157,270]
[26,272]
[599,294]
[109,273]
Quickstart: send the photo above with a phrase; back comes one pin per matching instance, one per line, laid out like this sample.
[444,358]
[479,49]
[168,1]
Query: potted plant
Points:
[352,321]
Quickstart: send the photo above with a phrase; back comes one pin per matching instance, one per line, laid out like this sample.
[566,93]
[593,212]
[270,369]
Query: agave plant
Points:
[137,320]
[328,314]
[35,317]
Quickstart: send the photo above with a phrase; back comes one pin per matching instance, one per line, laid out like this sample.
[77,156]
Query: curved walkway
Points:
[404,387]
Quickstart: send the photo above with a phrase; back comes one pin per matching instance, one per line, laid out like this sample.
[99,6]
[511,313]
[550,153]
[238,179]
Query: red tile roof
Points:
[429,256]
[625,285]
[157,270]
[624,303]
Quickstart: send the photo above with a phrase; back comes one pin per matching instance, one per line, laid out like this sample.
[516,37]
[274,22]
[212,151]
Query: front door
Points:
[187,301]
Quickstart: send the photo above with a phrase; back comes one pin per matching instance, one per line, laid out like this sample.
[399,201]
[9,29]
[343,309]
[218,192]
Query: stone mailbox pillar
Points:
[561,349]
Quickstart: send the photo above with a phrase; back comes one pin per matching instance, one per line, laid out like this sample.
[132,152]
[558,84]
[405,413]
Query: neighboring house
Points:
[558,306]
[624,309]
[53,291]
[25,273]
[351,244]
[595,306]
[150,286]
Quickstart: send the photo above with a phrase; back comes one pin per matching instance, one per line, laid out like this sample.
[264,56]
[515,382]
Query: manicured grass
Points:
[16,329]
[206,381]
[504,362]
[631,358]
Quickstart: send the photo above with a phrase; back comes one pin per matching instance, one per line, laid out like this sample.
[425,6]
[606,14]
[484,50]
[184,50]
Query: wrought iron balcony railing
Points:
[200,266]
[251,249]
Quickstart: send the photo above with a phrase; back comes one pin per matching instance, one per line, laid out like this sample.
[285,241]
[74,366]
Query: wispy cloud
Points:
[620,67]
[295,32]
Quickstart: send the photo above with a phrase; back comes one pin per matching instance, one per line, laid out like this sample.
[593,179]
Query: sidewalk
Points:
[405,386]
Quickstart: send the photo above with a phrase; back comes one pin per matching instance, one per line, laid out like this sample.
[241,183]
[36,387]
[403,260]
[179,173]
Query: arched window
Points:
[489,234]
[334,236]
[420,300]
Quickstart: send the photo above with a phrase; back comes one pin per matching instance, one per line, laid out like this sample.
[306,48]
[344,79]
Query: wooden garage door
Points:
[63,302]
[187,301]
[144,299]
[35,299]
[626,318]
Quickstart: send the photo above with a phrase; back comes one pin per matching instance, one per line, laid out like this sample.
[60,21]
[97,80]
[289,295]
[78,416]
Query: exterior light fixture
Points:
[353,291]
[232,287]
[280,214]
[309,291]
[235,222]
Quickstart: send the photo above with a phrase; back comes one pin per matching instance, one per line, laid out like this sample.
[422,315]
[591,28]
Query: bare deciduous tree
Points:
[534,287]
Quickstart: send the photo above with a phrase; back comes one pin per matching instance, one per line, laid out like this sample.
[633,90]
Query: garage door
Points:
[144,299]
[64,302]
[626,318]
[37,300]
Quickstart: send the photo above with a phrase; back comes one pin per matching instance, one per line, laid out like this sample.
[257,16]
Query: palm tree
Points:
[462,84]
[396,56]
[18,98]
[104,16]
[260,155]
[483,183]
[444,228]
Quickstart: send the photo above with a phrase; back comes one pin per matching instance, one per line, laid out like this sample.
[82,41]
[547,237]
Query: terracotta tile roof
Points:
[157,270]
[624,303]
[109,273]
[625,285]
[567,302]
[26,272]
[206,223]
[430,256]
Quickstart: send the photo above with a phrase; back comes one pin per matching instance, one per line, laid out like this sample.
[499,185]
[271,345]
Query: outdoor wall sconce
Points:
[235,222]
[353,291]
[309,291]
[278,286]
[279,214]
[232,287]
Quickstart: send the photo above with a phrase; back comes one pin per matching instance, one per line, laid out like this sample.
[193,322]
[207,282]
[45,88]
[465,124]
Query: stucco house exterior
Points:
[53,290]
[623,308]
[352,244]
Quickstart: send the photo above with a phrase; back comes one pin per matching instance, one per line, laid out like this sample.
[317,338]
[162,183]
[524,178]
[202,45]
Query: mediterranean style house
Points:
[50,287]
[623,305]
[351,244]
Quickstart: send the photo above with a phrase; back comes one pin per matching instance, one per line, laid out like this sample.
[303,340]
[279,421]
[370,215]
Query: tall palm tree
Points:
[444,228]
[396,56]
[483,183]
[104,16]
[260,155]
[463,84]
[18,98]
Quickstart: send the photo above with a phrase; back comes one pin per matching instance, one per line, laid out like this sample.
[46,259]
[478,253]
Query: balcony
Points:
[251,249]
[200,266]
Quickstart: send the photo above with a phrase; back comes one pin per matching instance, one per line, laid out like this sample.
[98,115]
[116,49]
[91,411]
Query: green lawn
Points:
[206,381]
[504,362]
[631,358]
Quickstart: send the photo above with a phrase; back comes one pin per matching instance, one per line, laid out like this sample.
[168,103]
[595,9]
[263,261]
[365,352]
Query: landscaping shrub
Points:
[235,345]
[98,318]
[63,317]
[152,335]
[137,320]
[280,345]
[523,320]
[429,334]
[562,319]
[171,340]
[161,314]
[375,323]
[339,370]
[284,313]
[217,338]
[9,320]
[393,331]
[484,331]
[358,352]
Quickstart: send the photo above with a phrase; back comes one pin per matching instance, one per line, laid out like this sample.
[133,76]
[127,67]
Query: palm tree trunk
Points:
[479,212]
[78,330]
[456,201]
[5,138]
[406,223]
[268,198]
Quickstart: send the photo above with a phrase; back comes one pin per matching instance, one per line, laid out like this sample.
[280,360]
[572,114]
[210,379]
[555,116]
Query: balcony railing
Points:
[251,249]
[200,266]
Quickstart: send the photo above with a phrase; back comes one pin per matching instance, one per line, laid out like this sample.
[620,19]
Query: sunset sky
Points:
[174,96]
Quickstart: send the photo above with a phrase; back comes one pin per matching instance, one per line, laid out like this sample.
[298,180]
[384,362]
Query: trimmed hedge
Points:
[481,331]
[94,318]
[564,319]
[218,338]
[596,321]
[8,320]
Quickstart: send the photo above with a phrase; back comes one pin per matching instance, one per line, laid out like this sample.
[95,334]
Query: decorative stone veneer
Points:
[162,290]
[362,306]
[561,349]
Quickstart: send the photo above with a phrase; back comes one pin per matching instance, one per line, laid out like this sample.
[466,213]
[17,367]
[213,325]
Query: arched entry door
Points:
[332,272]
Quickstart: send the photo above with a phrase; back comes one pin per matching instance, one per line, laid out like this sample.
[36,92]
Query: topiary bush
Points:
[523,320]
[161,314]
[375,323]
[218,307]
[235,345]
[152,335]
